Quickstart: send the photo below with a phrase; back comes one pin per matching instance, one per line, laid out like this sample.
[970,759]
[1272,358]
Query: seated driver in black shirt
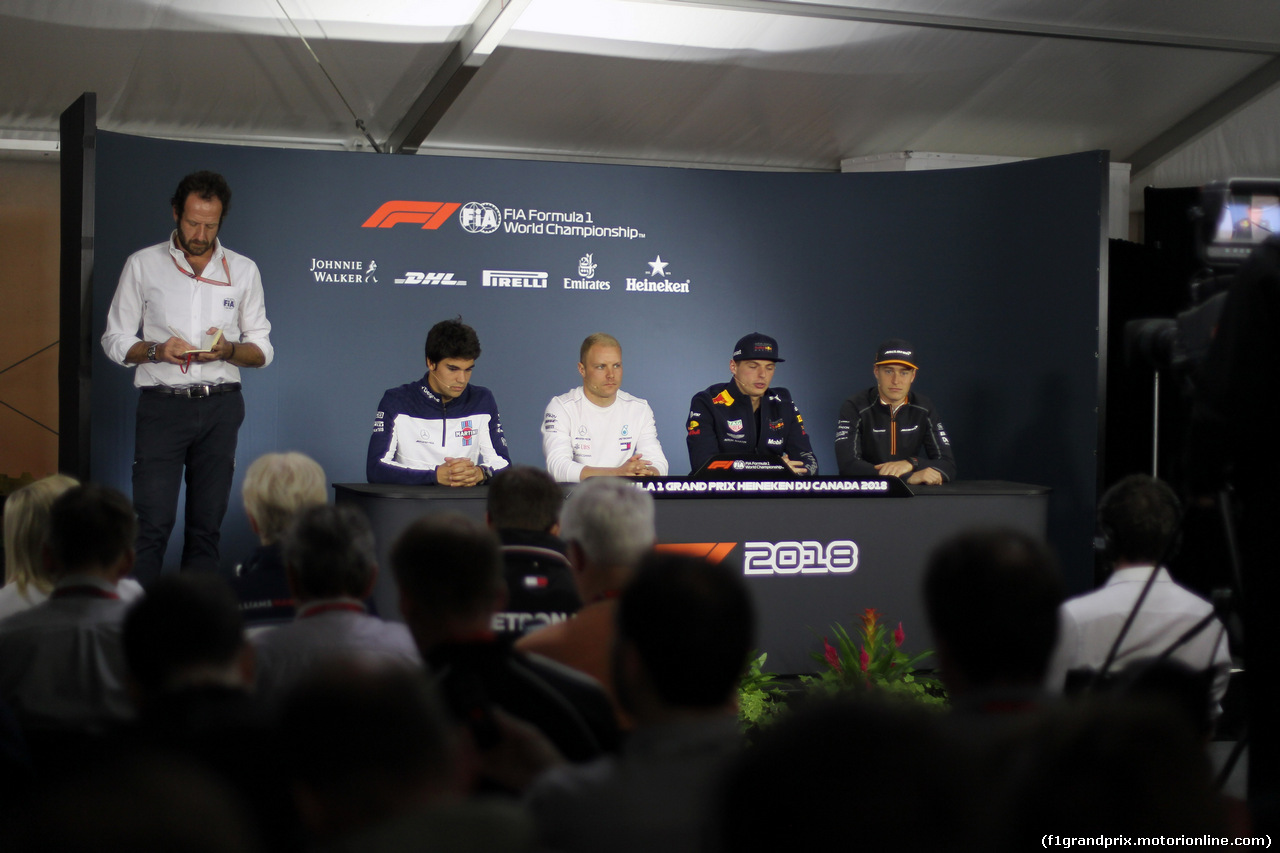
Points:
[889,430]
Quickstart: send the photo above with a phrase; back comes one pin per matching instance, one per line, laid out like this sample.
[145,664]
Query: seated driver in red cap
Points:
[889,430]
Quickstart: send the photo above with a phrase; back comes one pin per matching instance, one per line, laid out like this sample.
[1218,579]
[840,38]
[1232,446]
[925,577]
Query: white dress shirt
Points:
[159,291]
[1089,625]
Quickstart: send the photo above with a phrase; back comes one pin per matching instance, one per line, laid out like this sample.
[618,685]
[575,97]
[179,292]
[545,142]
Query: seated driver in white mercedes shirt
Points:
[598,430]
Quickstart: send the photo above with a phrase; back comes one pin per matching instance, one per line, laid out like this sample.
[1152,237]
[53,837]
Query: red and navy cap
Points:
[756,347]
[896,351]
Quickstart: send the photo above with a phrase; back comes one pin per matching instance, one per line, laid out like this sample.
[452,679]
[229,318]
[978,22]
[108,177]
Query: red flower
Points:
[833,657]
[869,617]
[899,636]
[864,659]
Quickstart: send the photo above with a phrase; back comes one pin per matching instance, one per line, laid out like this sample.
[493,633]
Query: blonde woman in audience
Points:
[276,487]
[26,527]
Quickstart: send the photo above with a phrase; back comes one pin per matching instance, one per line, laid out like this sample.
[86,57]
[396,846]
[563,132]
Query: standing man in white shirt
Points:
[189,412]
[599,430]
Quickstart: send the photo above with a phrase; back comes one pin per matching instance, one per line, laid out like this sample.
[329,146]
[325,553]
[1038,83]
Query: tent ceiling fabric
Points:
[737,83]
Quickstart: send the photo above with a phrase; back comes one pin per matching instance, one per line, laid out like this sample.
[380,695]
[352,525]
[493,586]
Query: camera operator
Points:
[1137,617]
[1239,396]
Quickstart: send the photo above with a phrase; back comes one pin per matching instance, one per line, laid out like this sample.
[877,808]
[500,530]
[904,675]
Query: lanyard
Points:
[186,364]
[192,275]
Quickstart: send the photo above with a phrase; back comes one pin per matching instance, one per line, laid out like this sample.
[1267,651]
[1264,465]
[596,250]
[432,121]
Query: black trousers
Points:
[176,436]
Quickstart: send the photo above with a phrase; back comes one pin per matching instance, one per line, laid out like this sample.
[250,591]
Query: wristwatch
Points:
[151,352]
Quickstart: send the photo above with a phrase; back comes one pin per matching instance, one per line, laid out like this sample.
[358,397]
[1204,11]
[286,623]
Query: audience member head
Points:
[1113,767]
[608,526]
[139,801]
[329,553]
[449,572]
[367,744]
[988,582]
[1176,685]
[684,631]
[825,758]
[91,531]
[1138,519]
[186,631]
[524,498]
[276,486]
[26,531]
[451,339]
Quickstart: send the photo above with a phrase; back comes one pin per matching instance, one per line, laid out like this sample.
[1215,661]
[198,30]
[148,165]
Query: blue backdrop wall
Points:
[993,272]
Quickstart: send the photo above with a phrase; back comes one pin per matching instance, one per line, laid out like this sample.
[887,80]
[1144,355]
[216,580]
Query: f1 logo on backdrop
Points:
[432,214]
[778,558]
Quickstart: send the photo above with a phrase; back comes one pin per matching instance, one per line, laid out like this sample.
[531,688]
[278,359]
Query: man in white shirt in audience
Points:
[1139,519]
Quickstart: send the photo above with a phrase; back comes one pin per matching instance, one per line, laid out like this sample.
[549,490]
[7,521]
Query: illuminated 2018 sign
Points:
[790,558]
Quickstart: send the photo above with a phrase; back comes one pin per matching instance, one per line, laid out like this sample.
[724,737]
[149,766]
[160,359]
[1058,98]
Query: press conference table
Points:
[809,557]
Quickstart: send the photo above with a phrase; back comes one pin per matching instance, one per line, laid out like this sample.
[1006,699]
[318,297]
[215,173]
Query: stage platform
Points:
[810,557]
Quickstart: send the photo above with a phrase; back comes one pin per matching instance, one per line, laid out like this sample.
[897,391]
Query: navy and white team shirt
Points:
[415,430]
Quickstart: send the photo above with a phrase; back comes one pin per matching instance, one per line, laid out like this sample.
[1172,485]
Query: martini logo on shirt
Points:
[467,433]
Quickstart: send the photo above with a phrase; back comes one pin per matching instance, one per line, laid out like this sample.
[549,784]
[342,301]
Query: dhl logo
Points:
[432,214]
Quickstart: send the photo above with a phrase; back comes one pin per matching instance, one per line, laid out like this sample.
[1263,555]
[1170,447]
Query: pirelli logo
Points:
[514,278]
[429,214]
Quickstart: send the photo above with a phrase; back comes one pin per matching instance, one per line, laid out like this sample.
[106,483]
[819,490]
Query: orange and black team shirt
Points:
[869,433]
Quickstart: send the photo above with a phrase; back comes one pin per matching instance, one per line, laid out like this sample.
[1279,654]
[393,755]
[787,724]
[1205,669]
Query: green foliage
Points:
[872,661]
[759,697]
